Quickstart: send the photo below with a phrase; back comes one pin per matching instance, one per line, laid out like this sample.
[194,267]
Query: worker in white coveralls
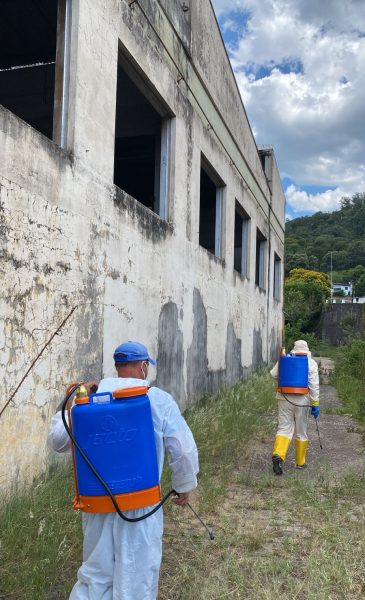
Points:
[121,560]
[293,412]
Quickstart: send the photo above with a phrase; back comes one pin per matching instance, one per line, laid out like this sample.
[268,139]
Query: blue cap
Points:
[131,351]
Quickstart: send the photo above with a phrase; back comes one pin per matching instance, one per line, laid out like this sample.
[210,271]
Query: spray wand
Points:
[319,437]
[210,531]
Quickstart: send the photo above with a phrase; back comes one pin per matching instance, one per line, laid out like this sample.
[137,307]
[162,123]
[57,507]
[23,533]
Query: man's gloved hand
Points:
[315,411]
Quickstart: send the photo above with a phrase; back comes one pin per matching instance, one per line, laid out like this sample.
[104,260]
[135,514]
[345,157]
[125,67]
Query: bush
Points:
[360,286]
[293,333]
[303,302]
[354,361]
[349,379]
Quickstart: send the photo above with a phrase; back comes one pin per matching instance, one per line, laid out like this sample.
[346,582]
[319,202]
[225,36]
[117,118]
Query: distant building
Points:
[346,288]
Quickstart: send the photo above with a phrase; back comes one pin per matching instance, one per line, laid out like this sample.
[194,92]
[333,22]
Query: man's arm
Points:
[58,439]
[183,454]
[313,382]
[275,371]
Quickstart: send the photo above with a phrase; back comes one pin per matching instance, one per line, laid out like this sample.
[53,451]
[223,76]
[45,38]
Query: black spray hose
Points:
[293,403]
[103,483]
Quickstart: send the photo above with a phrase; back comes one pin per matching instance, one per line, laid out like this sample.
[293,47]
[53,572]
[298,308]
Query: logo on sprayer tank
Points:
[111,433]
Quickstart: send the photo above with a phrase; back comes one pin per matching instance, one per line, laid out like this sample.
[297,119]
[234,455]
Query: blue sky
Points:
[300,66]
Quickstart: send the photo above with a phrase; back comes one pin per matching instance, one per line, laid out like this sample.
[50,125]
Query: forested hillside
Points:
[310,241]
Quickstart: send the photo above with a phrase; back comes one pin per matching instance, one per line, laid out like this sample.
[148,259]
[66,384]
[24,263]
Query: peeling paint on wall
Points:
[197,361]
[257,355]
[170,357]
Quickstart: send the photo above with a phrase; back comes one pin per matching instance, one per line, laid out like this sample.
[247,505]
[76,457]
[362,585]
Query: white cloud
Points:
[223,6]
[311,111]
[324,201]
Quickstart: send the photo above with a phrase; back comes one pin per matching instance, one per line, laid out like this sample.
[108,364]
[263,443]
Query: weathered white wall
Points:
[69,237]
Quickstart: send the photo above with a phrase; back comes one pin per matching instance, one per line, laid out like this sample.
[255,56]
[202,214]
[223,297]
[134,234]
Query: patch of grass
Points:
[348,379]
[222,427]
[40,538]
[305,544]
[328,350]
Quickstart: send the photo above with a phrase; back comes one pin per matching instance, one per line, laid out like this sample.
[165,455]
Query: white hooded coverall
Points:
[293,411]
[121,560]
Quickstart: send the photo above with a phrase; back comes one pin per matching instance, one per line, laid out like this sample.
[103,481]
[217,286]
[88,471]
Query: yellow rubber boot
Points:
[300,452]
[281,446]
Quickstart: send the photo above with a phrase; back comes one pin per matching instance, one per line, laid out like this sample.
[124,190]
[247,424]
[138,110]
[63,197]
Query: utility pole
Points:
[331,278]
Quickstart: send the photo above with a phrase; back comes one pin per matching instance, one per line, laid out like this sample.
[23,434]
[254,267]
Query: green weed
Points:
[349,379]
[40,537]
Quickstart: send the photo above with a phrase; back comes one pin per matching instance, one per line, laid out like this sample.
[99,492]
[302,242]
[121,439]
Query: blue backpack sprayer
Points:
[293,374]
[113,452]
[293,377]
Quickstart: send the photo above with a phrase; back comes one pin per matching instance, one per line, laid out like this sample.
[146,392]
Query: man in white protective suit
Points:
[121,560]
[293,412]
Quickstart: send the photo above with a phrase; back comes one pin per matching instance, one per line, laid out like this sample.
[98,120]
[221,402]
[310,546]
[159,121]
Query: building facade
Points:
[135,204]
[344,289]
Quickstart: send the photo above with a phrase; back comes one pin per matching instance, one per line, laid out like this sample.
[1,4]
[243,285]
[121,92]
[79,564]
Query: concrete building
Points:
[344,289]
[133,192]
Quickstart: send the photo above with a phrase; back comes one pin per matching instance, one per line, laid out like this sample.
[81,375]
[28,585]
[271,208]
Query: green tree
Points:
[340,260]
[323,244]
[342,231]
[356,252]
[307,275]
[293,261]
[354,210]
[303,303]
[355,359]
[357,272]
[360,286]
[305,293]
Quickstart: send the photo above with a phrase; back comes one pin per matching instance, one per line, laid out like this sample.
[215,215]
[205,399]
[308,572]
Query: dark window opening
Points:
[277,277]
[28,31]
[142,141]
[241,241]
[210,217]
[260,260]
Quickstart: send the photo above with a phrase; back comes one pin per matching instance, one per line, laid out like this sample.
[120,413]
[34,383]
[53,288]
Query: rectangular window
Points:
[260,260]
[241,241]
[34,63]
[142,141]
[211,209]
[277,277]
